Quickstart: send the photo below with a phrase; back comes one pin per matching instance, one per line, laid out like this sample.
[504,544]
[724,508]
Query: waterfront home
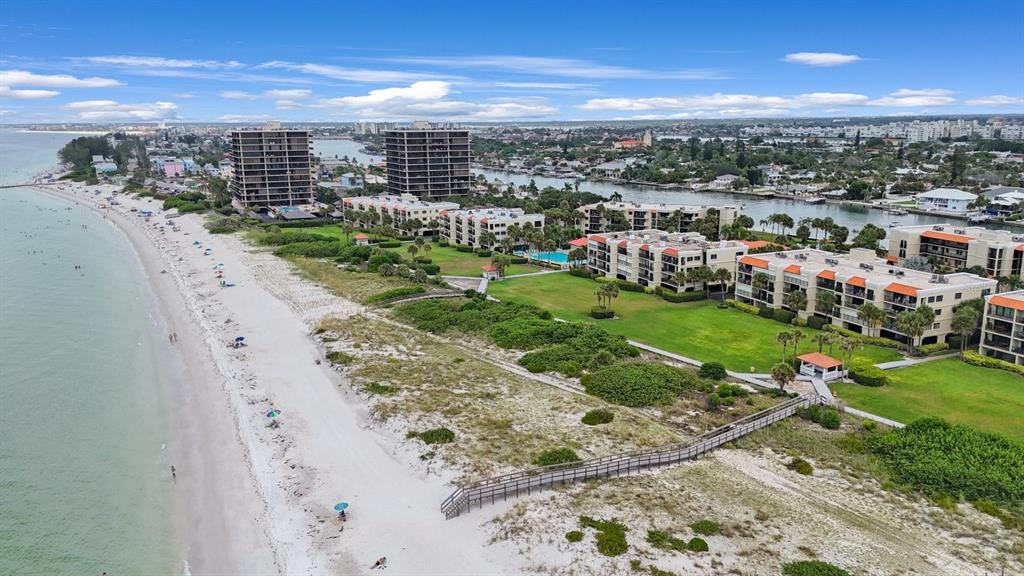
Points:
[945,200]
[656,258]
[999,252]
[835,286]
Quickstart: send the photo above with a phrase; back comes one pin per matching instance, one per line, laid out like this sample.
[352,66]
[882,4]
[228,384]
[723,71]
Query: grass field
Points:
[457,263]
[329,230]
[697,329]
[985,398]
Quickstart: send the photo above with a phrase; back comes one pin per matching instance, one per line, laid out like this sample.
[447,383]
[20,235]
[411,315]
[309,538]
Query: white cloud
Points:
[23,78]
[293,94]
[185,95]
[237,95]
[907,97]
[542,85]
[425,99]
[6,92]
[996,100]
[244,117]
[821,58]
[727,104]
[565,67]
[109,110]
[158,62]
[349,74]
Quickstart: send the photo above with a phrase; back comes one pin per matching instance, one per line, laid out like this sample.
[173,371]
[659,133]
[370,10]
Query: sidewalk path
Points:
[912,361]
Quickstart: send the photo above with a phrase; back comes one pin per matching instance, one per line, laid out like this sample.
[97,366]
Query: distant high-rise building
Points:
[271,167]
[428,162]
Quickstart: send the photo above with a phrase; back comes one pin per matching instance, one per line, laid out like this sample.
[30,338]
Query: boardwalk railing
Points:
[527,481]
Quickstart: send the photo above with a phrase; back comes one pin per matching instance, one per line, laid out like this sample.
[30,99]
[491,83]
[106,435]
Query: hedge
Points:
[442,243]
[766,313]
[742,306]
[929,349]
[869,376]
[302,224]
[430,269]
[601,313]
[812,568]
[581,272]
[483,253]
[389,244]
[784,316]
[816,322]
[629,286]
[975,359]
[712,370]
[556,456]
[825,416]
[467,249]
[518,260]
[396,292]
[863,339]
[671,296]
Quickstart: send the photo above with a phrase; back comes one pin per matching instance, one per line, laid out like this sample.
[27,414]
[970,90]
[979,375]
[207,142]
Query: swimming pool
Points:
[553,257]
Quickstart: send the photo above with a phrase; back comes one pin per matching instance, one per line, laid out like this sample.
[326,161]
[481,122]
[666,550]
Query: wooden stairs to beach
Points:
[514,484]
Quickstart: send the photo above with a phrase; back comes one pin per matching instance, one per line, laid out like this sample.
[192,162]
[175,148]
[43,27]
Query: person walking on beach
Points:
[175,336]
[174,473]
[170,338]
[381,563]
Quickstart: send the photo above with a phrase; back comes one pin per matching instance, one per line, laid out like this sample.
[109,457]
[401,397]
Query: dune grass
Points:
[455,263]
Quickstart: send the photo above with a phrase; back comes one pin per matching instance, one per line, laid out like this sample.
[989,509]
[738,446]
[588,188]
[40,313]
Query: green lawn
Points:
[696,329]
[985,398]
[330,230]
[457,263]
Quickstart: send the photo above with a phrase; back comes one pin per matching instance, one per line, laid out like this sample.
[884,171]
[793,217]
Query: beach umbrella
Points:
[341,506]
[239,338]
[273,413]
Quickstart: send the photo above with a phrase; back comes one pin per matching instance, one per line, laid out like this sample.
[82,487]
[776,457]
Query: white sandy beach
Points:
[258,500]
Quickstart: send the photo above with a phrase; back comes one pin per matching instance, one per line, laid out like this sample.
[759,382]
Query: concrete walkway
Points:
[912,361]
[873,417]
[540,273]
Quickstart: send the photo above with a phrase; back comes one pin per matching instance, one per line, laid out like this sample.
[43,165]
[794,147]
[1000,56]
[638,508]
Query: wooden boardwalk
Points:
[528,481]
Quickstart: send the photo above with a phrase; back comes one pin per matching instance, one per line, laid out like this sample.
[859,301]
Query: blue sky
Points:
[307,61]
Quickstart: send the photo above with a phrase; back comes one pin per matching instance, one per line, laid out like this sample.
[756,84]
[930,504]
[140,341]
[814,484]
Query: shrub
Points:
[697,545]
[518,260]
[380,389]
[431,269]
[639,384]
[580,272]
[800,466]
[825,416]
[396,293]
[483,253]
[556,456]
[976,359]
[442,243]
[954,341]
[784,316]
[437,436]
[934,457]
[601,312]
[731,391]
[574,536]
[389,244]
[712,370]
[374,262]
[611,535]
[1009,520]
[816,322]
[929,349]
[867,375]
[629,286]
[742,306]
[766,313]
[316,249]
[339,357]
[882,342]
[665,541]
[706,527]
[595,417]
[812,568]
[467,249]
[672,296]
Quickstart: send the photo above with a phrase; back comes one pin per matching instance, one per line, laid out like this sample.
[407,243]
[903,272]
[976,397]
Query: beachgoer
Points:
[380,563]
[175,336]
[170,338]
[174,473]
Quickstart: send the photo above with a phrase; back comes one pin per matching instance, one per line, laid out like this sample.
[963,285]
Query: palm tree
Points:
[412,250]
[795,336]
[759,283]
[824,301]
[796,300]
[418,276]
[1009,283]
[722,276]
[965,322]
[912,324]
[822,338]
[500,262]
[611,292]
[426,248]
[848,346]
[872,316]
[783,373]
[783,339]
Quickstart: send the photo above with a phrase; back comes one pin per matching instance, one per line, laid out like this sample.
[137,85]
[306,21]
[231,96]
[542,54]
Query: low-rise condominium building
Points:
[654,257]
[837,285]
[679,217]
[1002,328]
[999,252]
[471,227]
[405,213]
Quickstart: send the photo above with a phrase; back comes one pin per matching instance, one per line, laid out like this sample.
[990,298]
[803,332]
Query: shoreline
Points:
[327,449]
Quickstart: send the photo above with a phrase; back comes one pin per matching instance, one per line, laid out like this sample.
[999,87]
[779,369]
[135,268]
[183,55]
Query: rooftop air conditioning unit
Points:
[933,279]
[891,271]
[900,273]
[1018,238]
[958,231]
[781,255]
[939,228]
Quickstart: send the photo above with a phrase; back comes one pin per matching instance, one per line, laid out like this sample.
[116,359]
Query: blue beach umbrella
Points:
[239,338]
[273,413]
[341,506]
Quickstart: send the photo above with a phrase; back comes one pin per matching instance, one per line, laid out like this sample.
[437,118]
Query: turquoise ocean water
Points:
[84,484]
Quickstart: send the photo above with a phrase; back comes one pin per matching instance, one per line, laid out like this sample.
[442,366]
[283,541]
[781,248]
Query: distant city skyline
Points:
[297,62]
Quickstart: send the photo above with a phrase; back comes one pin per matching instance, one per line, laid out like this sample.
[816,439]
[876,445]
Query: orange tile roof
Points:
[755,262]
[820,360]
[1007,302]
[1019,248]
[946,236]
[827,274]
[898,288]
[623,243]
[361,236]
[645,247]
[857,281]
[793,269]
[670,252]
[489,268]
[600,239]
[579,242]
